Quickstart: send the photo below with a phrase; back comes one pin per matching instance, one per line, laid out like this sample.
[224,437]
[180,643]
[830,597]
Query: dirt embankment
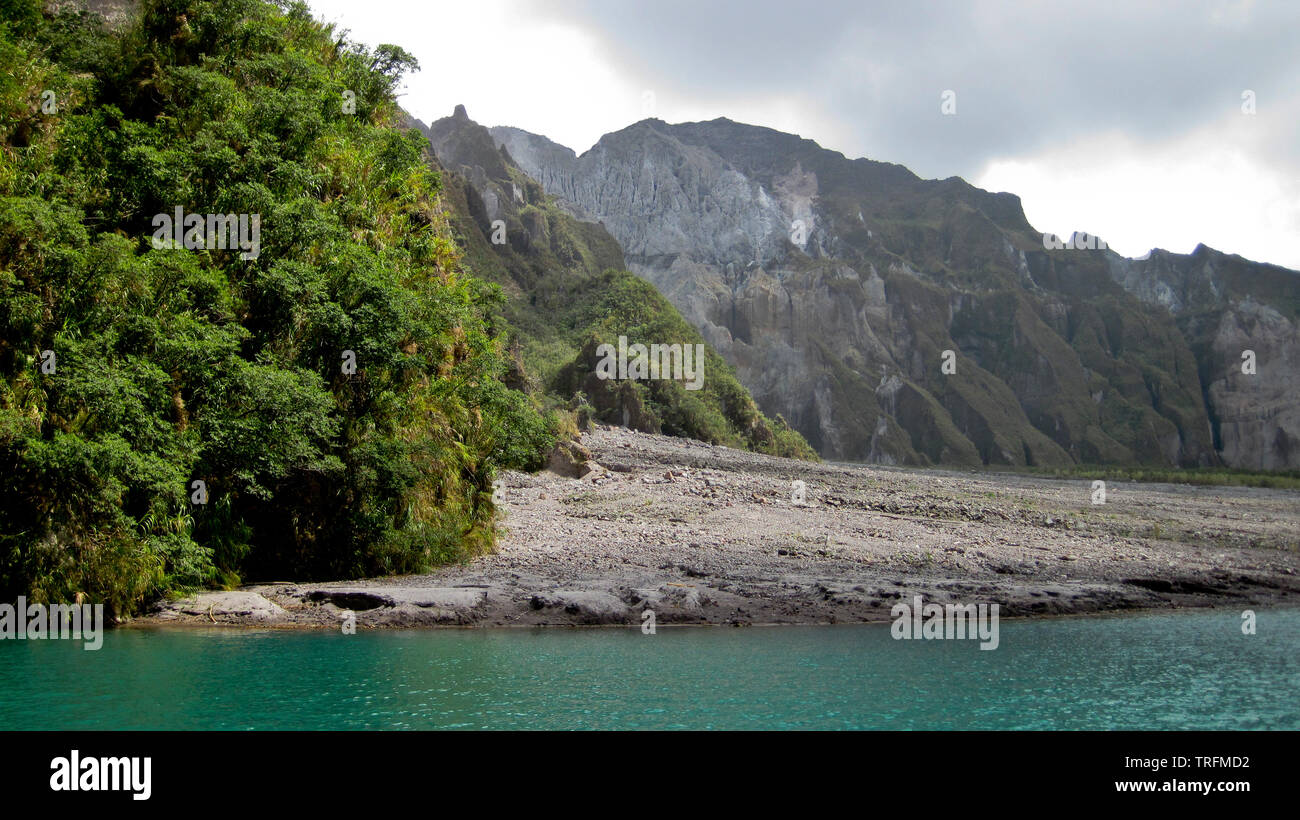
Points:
[710,535]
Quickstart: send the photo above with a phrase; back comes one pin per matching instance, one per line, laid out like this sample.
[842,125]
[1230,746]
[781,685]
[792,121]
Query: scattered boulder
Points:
[569,459]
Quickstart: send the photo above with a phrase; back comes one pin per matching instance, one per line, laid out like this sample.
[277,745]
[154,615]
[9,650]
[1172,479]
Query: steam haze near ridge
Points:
[1120,119]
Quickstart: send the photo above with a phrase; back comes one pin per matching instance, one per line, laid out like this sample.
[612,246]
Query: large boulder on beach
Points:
[569,459]
[239,604]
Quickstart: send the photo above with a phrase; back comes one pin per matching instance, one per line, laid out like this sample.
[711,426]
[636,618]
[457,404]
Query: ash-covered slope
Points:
[834,286]
[567,291]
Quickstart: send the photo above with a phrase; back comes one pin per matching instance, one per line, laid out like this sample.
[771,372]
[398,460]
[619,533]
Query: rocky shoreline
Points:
[710,535]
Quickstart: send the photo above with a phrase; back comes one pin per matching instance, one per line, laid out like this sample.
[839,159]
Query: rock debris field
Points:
[711,535]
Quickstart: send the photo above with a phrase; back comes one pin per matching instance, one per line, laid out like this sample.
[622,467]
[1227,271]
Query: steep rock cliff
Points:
[835,286]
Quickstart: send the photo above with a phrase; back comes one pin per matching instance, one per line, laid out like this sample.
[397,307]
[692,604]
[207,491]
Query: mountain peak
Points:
[459,141]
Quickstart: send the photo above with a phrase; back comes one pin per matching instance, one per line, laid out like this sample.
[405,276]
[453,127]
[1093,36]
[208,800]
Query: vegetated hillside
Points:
[128,371]
[567,293]
[834,286]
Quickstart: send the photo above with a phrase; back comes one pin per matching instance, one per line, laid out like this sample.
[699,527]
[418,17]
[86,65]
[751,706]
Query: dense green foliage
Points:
[721,411]
[173,365]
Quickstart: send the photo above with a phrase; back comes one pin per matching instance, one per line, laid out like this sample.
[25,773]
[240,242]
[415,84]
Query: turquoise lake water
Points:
[1168,671]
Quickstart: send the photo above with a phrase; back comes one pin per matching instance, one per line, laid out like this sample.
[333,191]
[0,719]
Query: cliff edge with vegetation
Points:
[315,378]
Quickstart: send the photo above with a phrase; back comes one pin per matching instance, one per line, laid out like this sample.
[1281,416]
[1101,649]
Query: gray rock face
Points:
[833,287]
[1229,309]
[533,152]
[1257,416]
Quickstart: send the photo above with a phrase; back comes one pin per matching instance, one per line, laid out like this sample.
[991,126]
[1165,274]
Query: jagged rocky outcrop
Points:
[835,286]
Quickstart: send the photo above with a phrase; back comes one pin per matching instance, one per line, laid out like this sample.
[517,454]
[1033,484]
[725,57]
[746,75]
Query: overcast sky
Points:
[1122,119]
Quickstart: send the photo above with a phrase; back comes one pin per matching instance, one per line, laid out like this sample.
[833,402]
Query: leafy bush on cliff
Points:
[169,366]
[721,411]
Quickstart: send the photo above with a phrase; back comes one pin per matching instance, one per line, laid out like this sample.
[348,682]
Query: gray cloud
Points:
[1028,75]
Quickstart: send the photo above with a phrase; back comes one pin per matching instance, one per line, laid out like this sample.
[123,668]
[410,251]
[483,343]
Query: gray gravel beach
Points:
[711,535]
